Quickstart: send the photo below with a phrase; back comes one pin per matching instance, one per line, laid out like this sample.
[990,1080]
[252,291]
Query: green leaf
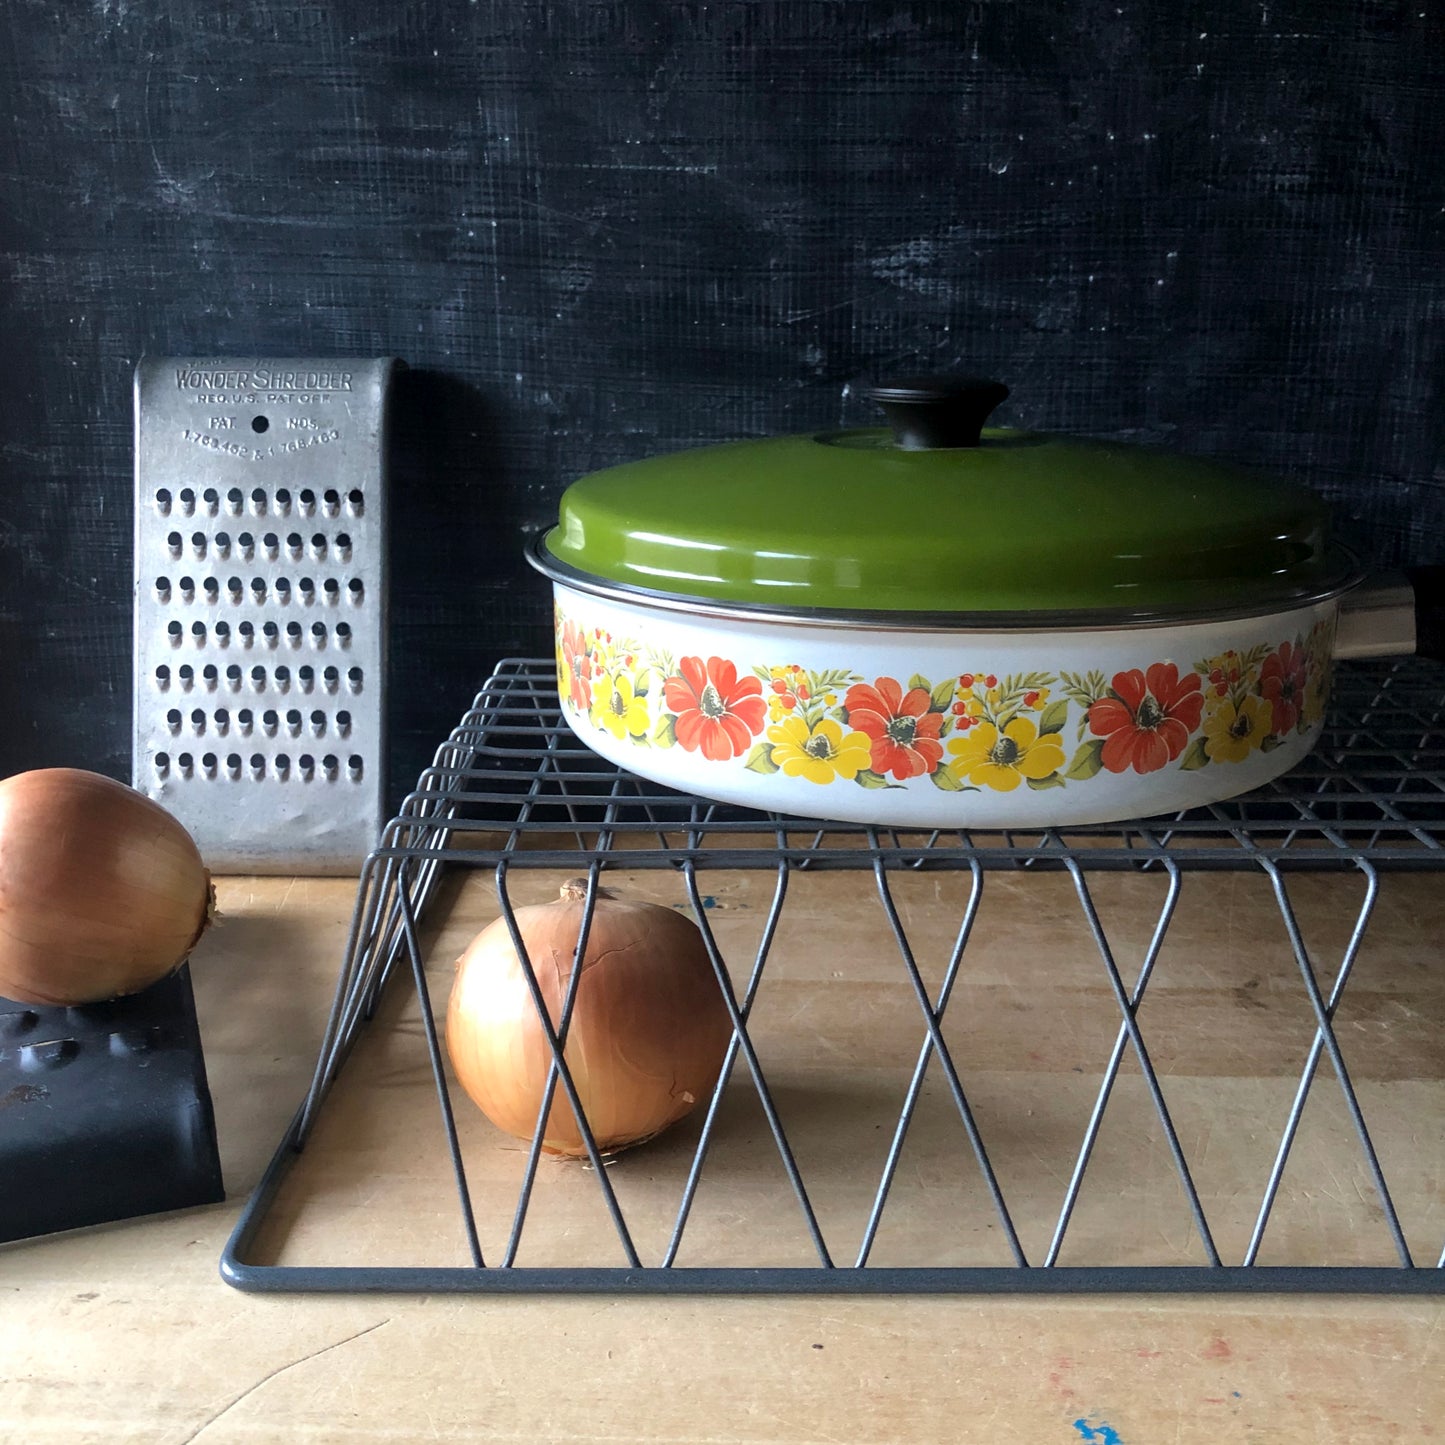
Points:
[1039,784]
[946,781]
[1195,756]
[760,760]
[665,733]
[1054,716]
[941,698]
[918,680]
[867,778]
[1087,761]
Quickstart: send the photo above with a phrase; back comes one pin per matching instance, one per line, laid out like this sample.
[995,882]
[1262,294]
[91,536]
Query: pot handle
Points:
[929,413]
[1394,614]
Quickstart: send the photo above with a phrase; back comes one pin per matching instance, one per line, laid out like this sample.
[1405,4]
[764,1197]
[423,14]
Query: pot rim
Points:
[1347,575]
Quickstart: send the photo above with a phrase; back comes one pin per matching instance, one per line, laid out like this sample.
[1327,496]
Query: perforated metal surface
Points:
[513,790]
[260,606]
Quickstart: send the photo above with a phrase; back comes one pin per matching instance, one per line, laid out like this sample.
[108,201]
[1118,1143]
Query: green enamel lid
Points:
[938,517]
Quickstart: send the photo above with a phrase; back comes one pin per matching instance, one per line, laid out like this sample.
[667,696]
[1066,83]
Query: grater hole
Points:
[282,676]
[307,764]
[198,721]
[245,721]
[307,677]
[269,722]
[343,547]
[258,765]
[271,632]
[233,765]
[293,634]
[308,590]
[260,424]
[258,678]
[163,588]
[233,677]
[208,764]
[198,631]
[258,502]
[222,721]
[185,762]
[343,633]
[318,546]
[354,678]
[293,543]
[332,677]
[173,544]
[212,500]
[258,587]
[272,543]
[318,723]
[318,634]
[283,501]
[355,588]
[355,502]
[162,763]
[353,766]
[307,502]
[173,720]
[234,501]
[283,590]
[329,765]
[293,722]
[223,634]
[331,502]
[209,676]
[223,544]
[187,587]
[247,543]
[198,543]
[247,633]
[333,589]
[163,677]
[282,765]
[212,589]
[234,587]
[187,500]
[343,723]
[163,501]
[186,674]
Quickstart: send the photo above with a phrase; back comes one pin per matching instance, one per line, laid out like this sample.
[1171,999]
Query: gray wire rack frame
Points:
[1369,800]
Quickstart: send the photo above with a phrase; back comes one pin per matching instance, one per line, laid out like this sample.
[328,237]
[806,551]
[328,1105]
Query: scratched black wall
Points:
[596,230]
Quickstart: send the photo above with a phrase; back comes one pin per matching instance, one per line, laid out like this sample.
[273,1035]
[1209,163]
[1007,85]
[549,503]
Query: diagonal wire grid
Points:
[512,791]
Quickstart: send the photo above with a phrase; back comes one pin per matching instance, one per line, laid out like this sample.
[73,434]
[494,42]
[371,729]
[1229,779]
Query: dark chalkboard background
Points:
[597,230]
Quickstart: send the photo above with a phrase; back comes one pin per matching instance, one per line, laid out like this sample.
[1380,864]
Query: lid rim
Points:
[1346,575]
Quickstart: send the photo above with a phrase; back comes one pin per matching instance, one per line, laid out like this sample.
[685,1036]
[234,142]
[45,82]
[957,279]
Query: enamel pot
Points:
[938,624]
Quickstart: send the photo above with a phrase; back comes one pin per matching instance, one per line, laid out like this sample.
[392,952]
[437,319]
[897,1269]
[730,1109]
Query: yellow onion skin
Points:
[102,892]
[648,1031]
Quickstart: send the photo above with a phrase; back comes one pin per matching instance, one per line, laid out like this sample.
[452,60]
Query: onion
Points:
[648,1030]
[102,892]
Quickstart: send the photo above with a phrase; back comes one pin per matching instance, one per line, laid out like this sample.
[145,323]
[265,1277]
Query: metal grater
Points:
[260,606]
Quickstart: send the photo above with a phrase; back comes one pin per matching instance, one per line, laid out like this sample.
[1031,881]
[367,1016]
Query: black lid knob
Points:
[932,412]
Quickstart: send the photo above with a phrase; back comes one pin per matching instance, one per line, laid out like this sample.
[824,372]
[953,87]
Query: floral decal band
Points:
[964,733]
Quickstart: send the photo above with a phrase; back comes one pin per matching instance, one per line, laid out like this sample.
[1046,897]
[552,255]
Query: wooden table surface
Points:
[127,1333]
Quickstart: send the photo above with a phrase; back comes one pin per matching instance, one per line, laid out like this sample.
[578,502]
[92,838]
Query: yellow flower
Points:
[820,753]
[617,708]
[1002,760]
[1232,732]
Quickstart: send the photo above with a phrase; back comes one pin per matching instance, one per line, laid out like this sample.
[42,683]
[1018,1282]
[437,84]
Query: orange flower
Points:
[1282,683]
[1148,718]
[902,733]
[577,659]
[718,713]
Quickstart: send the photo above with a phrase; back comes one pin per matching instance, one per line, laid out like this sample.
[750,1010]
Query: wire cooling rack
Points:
[512,790]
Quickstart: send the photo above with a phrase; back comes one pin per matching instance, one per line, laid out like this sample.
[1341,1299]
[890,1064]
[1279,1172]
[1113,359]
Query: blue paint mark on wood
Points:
[1100,1433]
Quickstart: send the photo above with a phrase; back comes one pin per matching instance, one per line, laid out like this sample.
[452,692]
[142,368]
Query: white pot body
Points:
[939,729]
